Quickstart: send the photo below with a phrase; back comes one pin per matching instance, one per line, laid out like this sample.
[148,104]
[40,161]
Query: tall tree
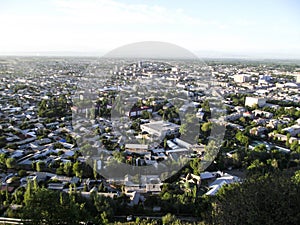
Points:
[52,208]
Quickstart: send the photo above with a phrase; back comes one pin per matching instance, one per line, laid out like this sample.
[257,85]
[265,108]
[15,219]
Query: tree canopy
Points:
[270,199]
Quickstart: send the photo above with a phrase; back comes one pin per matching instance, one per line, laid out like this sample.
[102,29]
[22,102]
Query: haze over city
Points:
[261,29]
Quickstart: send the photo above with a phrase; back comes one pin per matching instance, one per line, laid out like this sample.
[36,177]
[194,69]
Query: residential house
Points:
[219,182]
[139,111]
[293,130]
[137,148]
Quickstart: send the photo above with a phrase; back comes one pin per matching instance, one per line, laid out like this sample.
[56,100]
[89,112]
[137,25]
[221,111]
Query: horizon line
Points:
[205,54]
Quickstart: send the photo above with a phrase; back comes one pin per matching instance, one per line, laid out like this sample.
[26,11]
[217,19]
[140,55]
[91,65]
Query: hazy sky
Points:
[240,26]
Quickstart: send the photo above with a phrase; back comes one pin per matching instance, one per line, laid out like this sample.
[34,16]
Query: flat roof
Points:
[160,125]
[136,146]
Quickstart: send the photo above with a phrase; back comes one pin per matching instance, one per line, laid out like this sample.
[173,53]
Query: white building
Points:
[298,79]
[241,78]
[160,128]
[252,101]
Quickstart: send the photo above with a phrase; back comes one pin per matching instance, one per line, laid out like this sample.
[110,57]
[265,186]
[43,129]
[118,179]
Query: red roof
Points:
[8,188]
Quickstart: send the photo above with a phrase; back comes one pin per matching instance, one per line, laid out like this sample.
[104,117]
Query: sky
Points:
[269,28]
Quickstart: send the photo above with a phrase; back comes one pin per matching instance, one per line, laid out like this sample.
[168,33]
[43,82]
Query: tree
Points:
[168,219]
[69,139]
[103,204]
[205,106]
[189,128]
[211,151]
[40,166]
[195,165]
[243,139]
[119,156]
[3,158]
[294,145]
[242,120]
[11,163]
[2,141]
[51,208]
[183,129]
[57,145]
[95,171]
[296,177]
[206,126]
[68,168]
[28,192]
[270,199]
[287,143]
[165,143]
[255,167]
[78,169]
[146,115]
[12,146]
[104,219]
[22,173]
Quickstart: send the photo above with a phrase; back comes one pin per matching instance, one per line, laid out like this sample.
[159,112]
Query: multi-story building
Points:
[252,101]
[241,78]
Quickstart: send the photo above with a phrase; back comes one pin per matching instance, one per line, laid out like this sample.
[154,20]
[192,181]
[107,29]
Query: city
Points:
[142,141]
[136,112]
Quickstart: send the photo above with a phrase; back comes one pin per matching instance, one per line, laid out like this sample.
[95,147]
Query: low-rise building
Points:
[219,182]
[261,113]
[160,128]
[139,111]
[293,130]
[258,130]
[136,148]
[146,184]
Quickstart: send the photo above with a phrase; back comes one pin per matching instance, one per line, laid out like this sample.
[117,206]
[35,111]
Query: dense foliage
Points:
[270,199]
